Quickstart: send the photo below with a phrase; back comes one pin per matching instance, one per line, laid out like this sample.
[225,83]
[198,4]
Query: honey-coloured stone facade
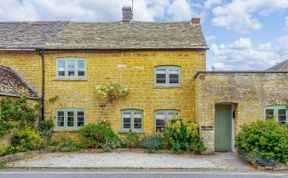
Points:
[132,69]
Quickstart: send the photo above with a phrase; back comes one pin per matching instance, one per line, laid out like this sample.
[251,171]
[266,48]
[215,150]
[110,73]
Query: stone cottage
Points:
[162,65]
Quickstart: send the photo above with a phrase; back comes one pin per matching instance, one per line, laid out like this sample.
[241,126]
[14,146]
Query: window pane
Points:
[137,121]
[161,78]
[174,76]
[269,113]
[70,119]
[71,68]
[60,119]
[173,115]
[282,115]
[160,75]
[81,64]
[160,125]
[160,115]
[61,68]
[81,73]
[80,118]
[81,68]
[127,120]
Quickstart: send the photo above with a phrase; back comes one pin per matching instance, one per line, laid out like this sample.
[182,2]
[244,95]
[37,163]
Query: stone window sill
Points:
[66,129]
[69,79]
[167,87]
[135,131]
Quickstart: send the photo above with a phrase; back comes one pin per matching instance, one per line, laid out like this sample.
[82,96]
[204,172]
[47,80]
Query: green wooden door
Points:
[223,127]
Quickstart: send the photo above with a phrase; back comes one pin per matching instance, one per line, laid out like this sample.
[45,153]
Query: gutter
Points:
[41,53]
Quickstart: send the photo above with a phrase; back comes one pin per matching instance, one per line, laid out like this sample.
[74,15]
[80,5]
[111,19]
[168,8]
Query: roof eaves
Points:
[18,96]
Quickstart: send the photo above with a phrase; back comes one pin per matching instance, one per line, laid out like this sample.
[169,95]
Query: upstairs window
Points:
[71,68]
[132,120]
[167,76]
[278,113]
[163,116]
[70,118]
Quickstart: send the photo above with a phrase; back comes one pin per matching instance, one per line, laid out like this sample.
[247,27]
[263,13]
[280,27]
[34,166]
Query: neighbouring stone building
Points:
[162,64]
[227,100]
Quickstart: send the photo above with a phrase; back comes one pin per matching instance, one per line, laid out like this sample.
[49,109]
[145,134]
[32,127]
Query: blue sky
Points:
[242,34]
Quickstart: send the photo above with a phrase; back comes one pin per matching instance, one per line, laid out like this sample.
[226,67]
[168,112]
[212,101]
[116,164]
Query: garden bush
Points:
[152,143]
[179,136]
[3,149]
[98,135]
[131,140]
[263,143]
[46,128]
[65,143]
[28,139]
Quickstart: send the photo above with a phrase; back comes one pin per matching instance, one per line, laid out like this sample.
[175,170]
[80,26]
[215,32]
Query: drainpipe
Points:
[41,53]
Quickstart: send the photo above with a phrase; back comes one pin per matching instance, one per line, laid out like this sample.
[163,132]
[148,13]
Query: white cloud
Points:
[241,15]
[180,9]
[211,3]
[93,10]
[210,38]
[283,49]
[242,54]
[242,43]
[286,24]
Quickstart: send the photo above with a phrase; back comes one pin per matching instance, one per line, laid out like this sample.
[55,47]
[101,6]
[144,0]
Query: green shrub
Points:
[28,139]
[183,137]
[97,135]
[152,143]
[65,143]
[263,143]
[109,145]
[46,128]
[131,140]
[3,149]
[19,110]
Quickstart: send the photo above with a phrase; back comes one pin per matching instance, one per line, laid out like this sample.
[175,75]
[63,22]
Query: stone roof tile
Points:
[11,84]
[91,35]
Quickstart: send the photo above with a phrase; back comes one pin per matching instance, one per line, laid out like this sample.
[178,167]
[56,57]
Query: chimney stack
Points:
[127,14]
[195,21]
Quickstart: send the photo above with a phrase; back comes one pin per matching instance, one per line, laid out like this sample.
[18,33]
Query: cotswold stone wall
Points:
[133,70]
[26,64]
[250,92]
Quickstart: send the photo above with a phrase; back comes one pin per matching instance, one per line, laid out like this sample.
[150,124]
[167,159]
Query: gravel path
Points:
[122,160]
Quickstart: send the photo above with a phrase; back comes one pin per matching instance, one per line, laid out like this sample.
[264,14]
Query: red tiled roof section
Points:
[11,84]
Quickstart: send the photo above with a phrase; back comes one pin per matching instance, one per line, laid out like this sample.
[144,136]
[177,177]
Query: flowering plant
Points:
[111,92]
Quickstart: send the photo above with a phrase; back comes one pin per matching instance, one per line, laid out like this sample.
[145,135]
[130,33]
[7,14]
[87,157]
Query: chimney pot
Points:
[127,14]
[195,20]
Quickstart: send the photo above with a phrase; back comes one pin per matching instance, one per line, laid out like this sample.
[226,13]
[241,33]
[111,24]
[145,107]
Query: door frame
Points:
[233,124]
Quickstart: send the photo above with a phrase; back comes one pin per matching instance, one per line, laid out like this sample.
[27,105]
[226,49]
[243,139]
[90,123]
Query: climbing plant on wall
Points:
[108,93]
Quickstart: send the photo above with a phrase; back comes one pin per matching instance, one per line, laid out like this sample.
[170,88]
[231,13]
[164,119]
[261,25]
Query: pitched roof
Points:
[11,84]
[283,66]
[90,35]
